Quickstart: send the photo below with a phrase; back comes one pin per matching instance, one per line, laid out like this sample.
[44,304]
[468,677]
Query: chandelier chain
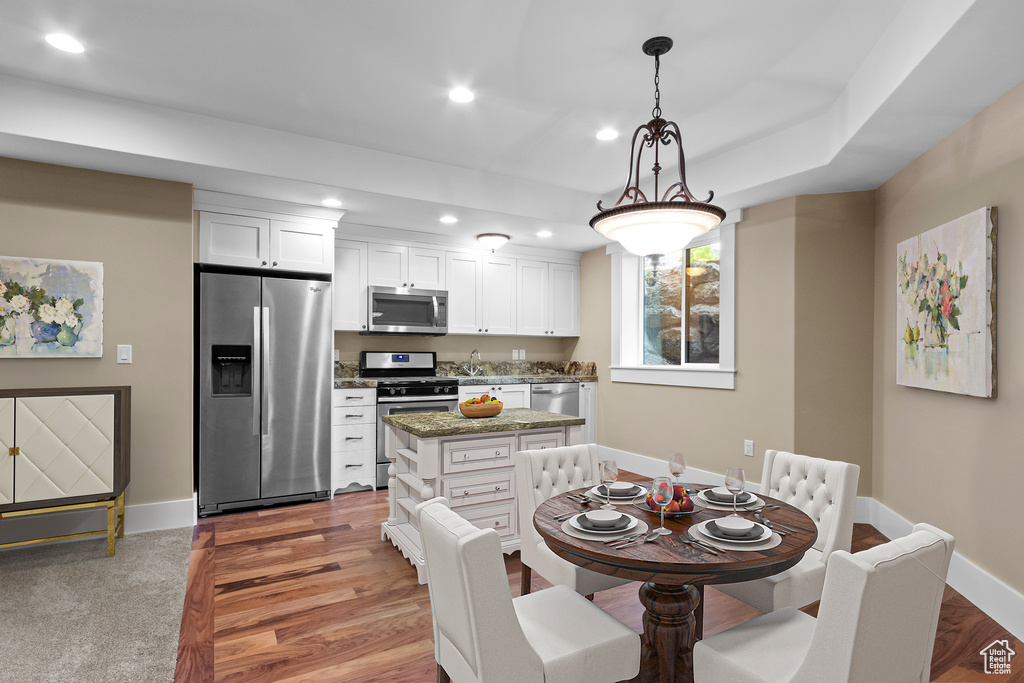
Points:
[656,112]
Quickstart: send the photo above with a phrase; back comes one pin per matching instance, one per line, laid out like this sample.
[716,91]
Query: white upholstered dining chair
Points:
[483,635]
[541,474]
[876,622]
[826,490]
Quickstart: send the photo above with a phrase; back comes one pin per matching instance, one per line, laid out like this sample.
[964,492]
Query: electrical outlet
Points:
[337,355]
[748,448]
[515,354]
[522,354]
[124,354]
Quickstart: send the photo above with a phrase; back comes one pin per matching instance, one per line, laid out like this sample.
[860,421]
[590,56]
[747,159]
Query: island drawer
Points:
[465,455]
[353,397]
[538,440]
[501,518]
[480,488]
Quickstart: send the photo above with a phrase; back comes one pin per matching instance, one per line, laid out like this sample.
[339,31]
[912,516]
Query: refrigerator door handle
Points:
[257,375]
[265,397]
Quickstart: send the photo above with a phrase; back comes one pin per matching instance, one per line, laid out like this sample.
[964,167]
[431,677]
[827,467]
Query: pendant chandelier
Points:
[667,223]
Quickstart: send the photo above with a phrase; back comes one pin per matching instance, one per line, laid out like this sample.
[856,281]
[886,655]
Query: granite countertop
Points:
[433,425]
[346,373]
[524,379]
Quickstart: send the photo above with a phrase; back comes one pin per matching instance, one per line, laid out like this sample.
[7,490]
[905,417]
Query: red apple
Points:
[672,508]
[686,504]
[678,492]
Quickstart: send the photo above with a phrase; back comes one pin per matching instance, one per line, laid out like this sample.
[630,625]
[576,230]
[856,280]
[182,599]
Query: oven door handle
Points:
[417,399]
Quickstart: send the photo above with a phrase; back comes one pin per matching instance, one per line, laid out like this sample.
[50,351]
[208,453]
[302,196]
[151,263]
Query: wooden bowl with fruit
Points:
[682,503]
[485,406]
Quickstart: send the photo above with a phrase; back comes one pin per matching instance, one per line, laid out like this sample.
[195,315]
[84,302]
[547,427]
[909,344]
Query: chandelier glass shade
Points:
[666,223]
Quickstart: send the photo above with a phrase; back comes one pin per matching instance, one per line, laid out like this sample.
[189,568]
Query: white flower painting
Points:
[50,309]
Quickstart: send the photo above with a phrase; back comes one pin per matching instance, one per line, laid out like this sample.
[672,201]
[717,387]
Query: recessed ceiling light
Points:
[331,202]
[544,233]
[607,134]
[449,219]
[62,41]
[461,95]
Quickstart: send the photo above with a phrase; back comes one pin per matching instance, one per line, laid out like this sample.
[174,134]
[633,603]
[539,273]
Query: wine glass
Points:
[662,496]
[609,473]
[734,481]
[676,465]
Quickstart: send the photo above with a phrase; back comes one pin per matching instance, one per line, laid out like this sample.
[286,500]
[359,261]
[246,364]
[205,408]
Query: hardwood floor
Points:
[311,593]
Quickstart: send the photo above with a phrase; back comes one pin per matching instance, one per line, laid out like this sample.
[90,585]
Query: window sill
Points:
[706,377]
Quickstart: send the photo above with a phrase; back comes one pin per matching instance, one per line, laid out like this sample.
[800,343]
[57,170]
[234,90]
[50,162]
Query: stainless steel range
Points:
[406,383]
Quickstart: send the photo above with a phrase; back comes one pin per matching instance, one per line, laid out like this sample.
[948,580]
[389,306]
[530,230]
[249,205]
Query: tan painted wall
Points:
[949,460]
[141,230]
[457,347]
[834,325]
[709,425]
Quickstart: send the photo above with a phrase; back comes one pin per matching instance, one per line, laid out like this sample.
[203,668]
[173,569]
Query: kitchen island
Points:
[469,462]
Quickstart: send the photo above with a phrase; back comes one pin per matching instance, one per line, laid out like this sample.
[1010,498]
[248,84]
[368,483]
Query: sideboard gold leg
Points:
[120,525]
[111,526]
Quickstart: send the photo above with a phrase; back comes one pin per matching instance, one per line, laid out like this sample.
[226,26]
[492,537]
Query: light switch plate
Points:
[515,354]
[124,354]
[337,355]
[522,354]
[748,448]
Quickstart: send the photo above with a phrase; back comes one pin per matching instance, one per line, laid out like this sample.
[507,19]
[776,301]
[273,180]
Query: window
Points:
[673,314]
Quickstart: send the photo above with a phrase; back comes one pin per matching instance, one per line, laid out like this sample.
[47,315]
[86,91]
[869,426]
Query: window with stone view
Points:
[681,306]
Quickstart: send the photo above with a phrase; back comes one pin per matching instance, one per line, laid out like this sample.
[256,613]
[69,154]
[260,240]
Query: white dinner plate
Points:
[752,501]
[766,533]
[619,499]
[633,521]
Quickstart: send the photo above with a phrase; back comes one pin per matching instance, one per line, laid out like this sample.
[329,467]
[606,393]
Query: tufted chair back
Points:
[543,473]
[824,489]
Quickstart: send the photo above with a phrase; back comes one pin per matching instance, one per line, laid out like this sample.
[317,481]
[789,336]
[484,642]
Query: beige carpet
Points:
[70,613]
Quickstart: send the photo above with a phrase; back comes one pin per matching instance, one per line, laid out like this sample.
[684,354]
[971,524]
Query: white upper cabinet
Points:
[350,285]
[548,299]
[397,266]
[498,295]
[253,242]
[463,274]
[481,294]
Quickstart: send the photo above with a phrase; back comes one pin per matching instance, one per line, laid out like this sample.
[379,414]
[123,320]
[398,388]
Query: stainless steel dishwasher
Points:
[559,397]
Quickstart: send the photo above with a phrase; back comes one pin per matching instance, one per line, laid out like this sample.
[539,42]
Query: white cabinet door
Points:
[349,285]
[389,265]
[498,295]
[463,274]
[301,246]
[588,409]
[234,240]
[510,395]
[564,300]
[426,268]
[6,443]
[532,300]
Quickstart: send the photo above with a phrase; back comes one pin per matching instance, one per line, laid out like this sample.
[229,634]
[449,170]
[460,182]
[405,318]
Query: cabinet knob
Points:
[364,327]
[497,488]
[497,524]
[465,493]
[405,284]
[263,263]
[499,388]
[465,456]
[497,452]
[486,330]
[274,263]
[412,284]
[480,329]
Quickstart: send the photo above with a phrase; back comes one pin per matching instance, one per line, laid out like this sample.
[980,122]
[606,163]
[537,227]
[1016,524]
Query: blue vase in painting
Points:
[45,332]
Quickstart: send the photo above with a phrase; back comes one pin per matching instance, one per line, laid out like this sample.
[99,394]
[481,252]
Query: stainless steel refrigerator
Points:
[264,372]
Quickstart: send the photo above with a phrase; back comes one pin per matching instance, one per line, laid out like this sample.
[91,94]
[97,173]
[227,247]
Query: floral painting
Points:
[50,308]
[945,307]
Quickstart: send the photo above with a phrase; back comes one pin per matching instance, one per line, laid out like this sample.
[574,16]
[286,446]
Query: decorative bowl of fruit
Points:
[485,406]
[682,503]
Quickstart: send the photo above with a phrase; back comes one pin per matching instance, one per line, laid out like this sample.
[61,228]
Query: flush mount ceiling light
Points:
[668,222]
[544,233]
[448,219]
[607,134]
[331,202]
[62,41]
[461,95]
[493,240]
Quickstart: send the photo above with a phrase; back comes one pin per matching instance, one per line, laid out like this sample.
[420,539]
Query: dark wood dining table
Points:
[674,573]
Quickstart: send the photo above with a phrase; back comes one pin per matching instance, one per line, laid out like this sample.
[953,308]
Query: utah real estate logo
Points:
[997,657]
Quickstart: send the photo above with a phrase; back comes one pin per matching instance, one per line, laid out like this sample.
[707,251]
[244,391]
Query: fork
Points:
[705,548]
[625,539]
[649,538]
[770,524]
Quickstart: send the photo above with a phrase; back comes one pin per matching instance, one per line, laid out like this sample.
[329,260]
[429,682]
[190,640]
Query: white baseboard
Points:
[1001,602]
[171,514]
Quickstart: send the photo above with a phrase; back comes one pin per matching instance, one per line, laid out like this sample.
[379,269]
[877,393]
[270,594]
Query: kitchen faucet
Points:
[471,370]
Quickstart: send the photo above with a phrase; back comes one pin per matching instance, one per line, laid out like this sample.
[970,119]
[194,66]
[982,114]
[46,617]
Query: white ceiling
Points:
[300,100]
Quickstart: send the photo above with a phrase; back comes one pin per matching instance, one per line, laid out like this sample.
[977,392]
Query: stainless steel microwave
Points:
[401,310]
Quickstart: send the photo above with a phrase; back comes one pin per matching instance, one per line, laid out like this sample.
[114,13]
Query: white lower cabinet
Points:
[538,440]
[353,438]
[511,395]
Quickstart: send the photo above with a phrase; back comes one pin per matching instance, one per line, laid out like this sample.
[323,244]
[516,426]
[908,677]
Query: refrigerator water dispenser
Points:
[232,370]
